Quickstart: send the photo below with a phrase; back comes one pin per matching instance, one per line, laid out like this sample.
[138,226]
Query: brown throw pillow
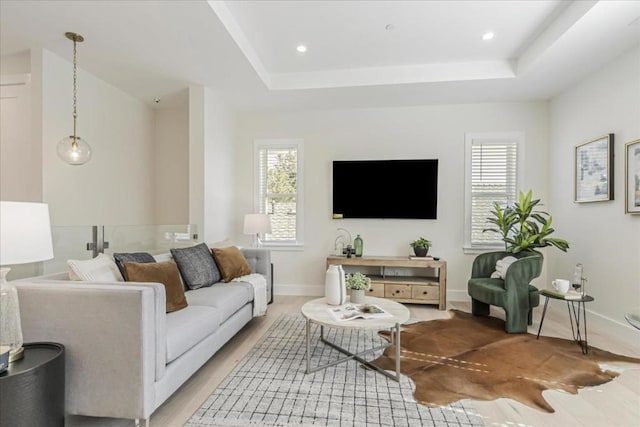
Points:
[231,262]
[162,272]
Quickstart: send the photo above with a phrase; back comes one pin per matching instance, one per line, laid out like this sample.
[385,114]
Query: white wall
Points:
[602,237]
[211,155]
[17,63]
[171,168]
[219,186]
[385,133]
[116,186]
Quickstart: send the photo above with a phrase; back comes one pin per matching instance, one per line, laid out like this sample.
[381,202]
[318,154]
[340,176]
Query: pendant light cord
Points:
[75,99]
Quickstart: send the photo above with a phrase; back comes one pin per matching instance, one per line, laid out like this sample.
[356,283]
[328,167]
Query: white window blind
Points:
[492,176]
[279,177]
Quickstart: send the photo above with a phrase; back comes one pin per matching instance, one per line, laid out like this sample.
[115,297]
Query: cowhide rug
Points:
[473,357]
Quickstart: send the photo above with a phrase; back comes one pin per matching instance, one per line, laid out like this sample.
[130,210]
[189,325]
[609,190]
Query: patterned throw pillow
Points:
[197,266]
[161,272]
[99,269]
[231,262]
[121,258]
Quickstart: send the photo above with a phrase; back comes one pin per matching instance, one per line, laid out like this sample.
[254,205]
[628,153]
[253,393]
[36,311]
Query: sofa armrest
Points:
[260,262]
[111,341]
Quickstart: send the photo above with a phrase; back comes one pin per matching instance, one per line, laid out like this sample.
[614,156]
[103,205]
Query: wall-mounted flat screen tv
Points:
[404,189]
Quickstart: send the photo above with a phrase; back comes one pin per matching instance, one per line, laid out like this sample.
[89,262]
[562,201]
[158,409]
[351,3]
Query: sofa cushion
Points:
[226,297]
[99,269]
[231,262]
[160,272]
[188,327]
[121,258]
[197,266]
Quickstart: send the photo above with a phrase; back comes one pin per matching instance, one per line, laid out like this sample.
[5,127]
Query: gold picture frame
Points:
[593,170]
[632,177]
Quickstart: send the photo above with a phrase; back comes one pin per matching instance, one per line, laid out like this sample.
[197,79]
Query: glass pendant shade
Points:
[74,151]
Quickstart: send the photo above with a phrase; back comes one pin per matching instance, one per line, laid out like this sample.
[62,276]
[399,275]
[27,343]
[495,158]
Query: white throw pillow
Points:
[502,265]
[99,269]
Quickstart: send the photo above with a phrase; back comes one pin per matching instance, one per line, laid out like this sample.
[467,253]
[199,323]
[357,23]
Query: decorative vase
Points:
[358,245]
[420,251]
[334,285]
[357,296]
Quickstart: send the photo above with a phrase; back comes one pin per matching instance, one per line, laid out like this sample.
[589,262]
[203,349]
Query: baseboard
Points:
[607,325]
[458,295]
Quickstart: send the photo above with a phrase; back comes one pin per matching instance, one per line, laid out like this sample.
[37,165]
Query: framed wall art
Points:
[593,180]
[632,177]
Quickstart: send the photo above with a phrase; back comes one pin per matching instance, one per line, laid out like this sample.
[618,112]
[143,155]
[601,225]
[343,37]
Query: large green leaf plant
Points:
[523,227]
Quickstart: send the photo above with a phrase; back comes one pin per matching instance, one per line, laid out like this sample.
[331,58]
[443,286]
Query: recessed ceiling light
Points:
[487,36]
[301,48]
[390,27]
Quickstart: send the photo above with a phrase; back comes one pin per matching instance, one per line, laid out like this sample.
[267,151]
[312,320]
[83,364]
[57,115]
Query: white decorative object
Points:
[25,237]
[257,224]
[335,290]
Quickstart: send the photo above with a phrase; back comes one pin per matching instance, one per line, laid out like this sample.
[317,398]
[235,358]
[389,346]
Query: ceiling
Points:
[359,53]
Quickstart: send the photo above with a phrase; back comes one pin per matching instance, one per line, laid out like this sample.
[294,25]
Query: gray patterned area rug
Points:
[269,387]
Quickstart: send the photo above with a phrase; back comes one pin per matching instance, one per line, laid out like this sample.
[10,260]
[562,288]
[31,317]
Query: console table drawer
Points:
[376,290]
[397,291]
[428,292]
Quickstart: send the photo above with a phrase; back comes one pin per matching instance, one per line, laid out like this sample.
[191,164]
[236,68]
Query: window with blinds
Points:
[492,175]
[279,184]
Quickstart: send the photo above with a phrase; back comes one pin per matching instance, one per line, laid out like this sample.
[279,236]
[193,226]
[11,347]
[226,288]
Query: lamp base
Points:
[16,354]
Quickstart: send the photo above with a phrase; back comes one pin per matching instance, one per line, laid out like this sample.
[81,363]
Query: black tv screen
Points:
[404,189]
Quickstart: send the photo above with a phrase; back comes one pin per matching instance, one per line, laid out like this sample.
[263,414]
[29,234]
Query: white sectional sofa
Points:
[124,355]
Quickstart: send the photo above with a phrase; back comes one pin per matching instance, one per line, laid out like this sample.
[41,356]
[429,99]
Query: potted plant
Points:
[357,283]
[420,246]
[523,227]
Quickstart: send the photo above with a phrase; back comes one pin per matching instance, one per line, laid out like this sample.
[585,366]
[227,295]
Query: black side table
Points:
[577,316]
[32,389]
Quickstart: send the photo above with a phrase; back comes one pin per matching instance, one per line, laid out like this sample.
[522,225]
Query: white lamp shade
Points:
[25,233]
[257,224]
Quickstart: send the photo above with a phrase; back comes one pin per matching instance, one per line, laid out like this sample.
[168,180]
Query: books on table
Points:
[569,295]
[358,311]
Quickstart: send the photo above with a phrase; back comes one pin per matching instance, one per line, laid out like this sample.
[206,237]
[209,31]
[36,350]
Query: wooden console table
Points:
[415,289]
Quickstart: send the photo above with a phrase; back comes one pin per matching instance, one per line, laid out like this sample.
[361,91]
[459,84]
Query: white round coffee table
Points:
[317,311]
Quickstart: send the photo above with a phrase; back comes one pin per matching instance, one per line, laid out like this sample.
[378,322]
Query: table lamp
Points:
[257,224]
[25,237]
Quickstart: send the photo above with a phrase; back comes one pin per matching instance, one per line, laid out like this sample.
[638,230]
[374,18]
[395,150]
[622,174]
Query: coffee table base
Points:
[395,340]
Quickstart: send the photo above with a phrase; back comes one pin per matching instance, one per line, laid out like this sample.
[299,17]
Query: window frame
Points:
[474,138]
[284,143]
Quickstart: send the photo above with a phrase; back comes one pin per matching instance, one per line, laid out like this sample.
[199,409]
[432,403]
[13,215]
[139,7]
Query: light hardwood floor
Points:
[616,403]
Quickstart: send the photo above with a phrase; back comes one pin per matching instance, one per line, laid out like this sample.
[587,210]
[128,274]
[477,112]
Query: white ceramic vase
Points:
[335,290]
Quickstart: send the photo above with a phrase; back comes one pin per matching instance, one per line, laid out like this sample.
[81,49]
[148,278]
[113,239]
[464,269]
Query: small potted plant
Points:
[420,246]
[357,283]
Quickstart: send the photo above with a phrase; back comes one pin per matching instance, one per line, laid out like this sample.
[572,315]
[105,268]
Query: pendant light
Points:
[73,149]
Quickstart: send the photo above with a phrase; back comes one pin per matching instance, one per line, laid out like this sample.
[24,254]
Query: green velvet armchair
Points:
[514,294]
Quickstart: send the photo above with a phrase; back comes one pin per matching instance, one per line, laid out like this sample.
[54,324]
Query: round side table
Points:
[32,389]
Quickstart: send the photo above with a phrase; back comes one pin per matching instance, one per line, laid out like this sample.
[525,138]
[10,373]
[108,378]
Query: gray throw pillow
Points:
[141,257]
[197,266]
